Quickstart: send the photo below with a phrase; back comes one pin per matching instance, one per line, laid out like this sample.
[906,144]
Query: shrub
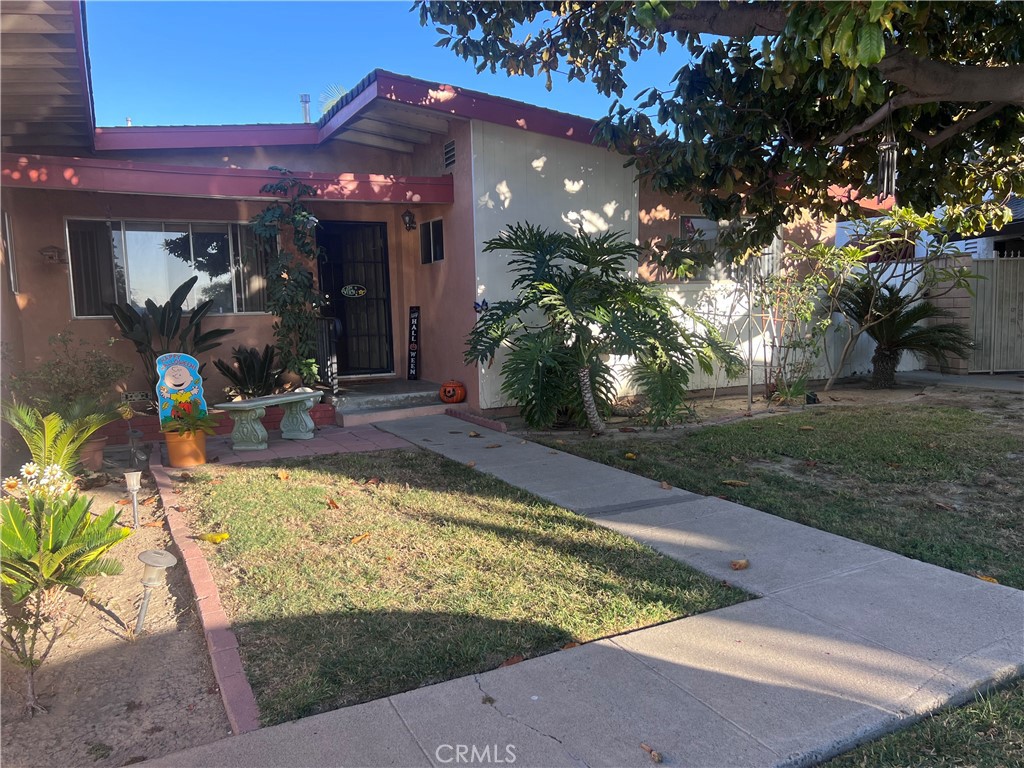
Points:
[253,374]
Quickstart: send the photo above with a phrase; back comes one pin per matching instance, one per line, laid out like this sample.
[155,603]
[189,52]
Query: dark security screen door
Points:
[354,279]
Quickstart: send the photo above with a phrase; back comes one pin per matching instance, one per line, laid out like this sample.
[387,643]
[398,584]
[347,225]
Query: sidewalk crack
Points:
[492,702]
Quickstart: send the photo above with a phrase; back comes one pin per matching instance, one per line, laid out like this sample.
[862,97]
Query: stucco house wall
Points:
[553,183]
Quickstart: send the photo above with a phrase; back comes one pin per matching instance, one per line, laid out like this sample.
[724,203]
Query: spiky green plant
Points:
[253,373]
[48,543]
[159,330]
[577,305]
[896,323]
[53,438]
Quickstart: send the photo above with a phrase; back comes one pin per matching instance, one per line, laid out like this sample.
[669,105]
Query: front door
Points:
[355,283]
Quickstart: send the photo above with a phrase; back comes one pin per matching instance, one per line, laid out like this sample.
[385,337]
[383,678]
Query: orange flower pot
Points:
[91,453]
[185,450]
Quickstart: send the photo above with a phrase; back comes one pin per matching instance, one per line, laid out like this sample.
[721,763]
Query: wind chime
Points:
[887,151]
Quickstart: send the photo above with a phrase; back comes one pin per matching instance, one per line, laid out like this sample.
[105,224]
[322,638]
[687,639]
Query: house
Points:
[413,177]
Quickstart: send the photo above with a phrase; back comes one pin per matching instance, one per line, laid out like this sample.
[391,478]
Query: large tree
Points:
[780,106]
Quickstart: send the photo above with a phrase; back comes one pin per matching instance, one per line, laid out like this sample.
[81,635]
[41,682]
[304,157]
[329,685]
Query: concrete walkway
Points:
[845,643]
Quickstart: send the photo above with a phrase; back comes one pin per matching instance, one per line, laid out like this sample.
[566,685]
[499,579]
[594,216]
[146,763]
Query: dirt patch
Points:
[113,698]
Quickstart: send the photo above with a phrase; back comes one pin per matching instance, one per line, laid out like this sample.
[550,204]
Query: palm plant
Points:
[577,306]
[55,439]
[48,543]
[253,374]
[895,323]
[158,330]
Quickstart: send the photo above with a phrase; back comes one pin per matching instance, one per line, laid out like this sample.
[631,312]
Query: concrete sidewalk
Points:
[845,643]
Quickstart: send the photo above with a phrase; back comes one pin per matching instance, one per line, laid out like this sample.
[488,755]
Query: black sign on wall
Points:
[414,343]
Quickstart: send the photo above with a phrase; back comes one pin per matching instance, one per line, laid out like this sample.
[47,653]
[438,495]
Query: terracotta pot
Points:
[91,453]
[185,450]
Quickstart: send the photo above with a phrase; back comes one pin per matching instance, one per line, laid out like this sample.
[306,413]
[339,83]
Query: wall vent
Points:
[449,154]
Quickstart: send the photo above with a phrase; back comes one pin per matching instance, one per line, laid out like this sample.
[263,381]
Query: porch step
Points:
[355,418]
[387,393]
[369,402]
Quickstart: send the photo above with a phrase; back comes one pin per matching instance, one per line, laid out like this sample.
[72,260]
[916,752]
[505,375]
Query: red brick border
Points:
[239,702]
[480,421]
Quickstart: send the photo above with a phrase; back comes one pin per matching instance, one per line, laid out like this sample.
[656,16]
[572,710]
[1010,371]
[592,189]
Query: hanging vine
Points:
[285,233]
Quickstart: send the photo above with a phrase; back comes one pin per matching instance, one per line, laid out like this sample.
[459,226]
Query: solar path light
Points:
[134,482]
[156,561]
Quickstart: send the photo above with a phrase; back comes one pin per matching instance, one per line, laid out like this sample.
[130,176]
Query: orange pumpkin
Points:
[452,392]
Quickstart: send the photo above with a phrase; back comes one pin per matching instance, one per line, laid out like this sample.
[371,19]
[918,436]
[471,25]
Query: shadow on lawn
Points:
[303,665]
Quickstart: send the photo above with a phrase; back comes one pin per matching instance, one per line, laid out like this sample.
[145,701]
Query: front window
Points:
[116,261]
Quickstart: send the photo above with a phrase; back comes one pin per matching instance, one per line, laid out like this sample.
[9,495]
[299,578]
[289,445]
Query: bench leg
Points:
[249,433]
[296,423]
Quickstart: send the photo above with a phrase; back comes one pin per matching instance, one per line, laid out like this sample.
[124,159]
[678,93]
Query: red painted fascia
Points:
[201,136]
[460,102]
[444,99]
[127,177]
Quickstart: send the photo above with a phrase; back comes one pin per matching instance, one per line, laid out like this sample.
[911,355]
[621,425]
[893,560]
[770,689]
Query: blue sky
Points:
[180,63]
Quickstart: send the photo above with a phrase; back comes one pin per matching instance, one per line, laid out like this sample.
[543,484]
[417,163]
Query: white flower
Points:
[30,471]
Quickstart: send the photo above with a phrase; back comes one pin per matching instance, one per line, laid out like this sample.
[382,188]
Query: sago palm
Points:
[576,306]
[52,438]
[896,324]
[48,543]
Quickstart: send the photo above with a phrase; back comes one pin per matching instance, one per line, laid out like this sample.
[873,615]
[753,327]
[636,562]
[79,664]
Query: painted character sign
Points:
[179,385]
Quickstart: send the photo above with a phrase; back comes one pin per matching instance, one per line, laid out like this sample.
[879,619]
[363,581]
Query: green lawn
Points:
[943,485]
[426,570]
[988,733]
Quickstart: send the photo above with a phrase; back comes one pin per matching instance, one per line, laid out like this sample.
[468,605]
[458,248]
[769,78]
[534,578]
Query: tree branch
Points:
[958,127]
[920,76]
[896,102]
[743,20]
[952,82]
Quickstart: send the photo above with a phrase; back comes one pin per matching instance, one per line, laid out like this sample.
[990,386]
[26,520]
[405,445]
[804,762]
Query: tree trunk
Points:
[884,362]
[589,404]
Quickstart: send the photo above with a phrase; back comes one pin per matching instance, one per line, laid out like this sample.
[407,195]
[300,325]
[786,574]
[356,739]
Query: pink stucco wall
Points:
[445,290]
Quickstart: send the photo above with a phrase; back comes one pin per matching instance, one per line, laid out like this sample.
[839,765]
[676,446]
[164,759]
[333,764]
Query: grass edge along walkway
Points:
[352,577]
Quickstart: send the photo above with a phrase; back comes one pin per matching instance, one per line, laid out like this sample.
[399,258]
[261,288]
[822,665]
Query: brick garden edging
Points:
[239,702]
[480,421]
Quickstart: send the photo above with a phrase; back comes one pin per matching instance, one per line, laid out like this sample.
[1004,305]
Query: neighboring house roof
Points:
[46,100]
[385,110]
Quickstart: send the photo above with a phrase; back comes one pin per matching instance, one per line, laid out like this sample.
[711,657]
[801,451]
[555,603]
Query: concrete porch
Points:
[373,401]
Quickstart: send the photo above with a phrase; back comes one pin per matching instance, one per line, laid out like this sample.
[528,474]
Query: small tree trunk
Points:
[884,362]
[851,342]
[589,404]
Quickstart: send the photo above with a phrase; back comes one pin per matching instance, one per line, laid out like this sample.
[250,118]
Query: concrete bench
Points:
[249,433]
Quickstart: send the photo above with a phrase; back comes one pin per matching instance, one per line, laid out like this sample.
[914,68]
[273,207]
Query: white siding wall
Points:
[554,183]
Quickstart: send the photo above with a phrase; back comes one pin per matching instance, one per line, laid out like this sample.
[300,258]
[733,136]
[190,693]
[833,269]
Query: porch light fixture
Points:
[156,561]
[409,219]
[133,480]
[54,254]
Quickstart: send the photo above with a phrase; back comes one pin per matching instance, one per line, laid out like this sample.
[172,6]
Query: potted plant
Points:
[185,430]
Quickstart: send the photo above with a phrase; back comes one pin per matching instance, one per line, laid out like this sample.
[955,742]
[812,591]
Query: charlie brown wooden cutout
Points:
[179,385]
